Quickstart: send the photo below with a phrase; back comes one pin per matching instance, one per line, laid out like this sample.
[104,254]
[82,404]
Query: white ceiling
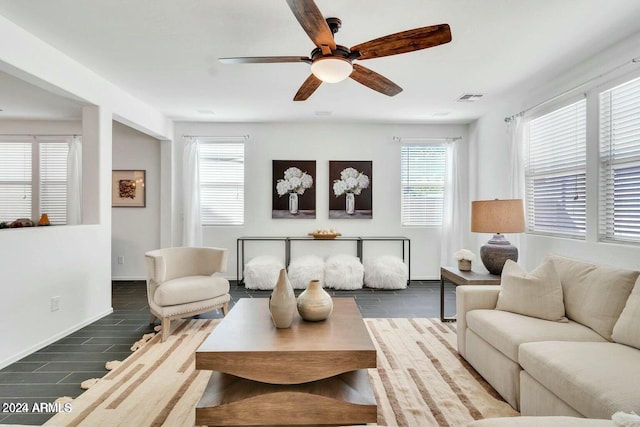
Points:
[165,53]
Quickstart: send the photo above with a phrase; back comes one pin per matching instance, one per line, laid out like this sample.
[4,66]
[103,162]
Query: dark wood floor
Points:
[58,369]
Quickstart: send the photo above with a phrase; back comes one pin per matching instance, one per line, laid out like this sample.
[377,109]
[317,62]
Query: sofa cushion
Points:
[594,295]
[537,294]
[627,328]
[595,378]
[506,331]
[190,289]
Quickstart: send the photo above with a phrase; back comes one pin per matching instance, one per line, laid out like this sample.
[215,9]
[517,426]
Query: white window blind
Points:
[555,172]
[33,180]
[422,180]
[620,163]
[222,183]
[15,180]
[53,181]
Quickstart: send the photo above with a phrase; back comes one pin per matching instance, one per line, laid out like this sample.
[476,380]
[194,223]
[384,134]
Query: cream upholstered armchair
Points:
[182,282]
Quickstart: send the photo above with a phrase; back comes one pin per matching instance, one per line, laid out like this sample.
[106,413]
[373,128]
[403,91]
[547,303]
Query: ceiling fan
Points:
[332,63]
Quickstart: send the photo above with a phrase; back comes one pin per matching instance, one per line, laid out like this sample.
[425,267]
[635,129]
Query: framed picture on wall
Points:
[294,189]
[128,189]
[350,189]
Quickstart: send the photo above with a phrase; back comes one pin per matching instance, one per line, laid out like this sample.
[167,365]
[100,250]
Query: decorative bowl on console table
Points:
[325,234]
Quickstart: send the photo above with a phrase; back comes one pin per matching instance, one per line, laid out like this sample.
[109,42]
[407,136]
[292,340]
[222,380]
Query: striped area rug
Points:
[420,381]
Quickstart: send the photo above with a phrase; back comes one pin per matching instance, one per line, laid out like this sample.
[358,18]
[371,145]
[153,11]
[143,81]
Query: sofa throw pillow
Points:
[594,295]
[536,294]
[627,328]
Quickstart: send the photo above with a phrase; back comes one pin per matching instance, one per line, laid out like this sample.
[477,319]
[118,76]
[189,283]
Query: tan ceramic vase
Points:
[315,303]
[282,303]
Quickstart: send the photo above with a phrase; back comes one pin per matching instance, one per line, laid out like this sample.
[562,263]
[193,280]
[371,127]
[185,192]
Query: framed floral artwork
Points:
[294,189]
[350,189]
[128,189]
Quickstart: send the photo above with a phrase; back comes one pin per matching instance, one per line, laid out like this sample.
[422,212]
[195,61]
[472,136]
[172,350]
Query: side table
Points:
[457,277]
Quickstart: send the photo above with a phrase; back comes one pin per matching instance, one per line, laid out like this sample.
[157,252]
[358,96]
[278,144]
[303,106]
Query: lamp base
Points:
[496,252]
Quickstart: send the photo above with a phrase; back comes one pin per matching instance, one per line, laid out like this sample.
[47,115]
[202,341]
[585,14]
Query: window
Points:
[53,181]
[422,179]
[555,172]
[620,163]
[222,183]
[33,180]
[15,180]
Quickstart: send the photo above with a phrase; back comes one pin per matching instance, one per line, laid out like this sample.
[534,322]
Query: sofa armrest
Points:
[472,298]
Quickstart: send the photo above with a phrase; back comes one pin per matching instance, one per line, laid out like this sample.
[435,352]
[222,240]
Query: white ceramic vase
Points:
[315,304]
[282,303]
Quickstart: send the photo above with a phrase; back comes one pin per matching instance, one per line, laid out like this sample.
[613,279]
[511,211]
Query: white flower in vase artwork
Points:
[295,181]
[351,181]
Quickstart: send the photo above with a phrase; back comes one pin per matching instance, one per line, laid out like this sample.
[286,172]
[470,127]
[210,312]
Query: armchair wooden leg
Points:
[166,328]
[225,308]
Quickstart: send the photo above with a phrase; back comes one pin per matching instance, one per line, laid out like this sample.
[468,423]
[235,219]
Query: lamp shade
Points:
[497,216]
[332,69]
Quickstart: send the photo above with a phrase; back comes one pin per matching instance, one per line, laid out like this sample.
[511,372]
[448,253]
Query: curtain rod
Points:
[39,134]
[581,85]
[426,138]
[220,138]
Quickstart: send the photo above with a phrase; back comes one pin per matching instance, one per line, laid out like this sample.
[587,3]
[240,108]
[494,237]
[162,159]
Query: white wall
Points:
[39,263]
[489,136]
[135,230]
[322,142]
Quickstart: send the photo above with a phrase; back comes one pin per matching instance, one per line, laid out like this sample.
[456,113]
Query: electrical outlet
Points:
[121,260]
[55,303]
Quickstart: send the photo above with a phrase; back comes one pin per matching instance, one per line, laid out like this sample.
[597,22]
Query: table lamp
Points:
[497,217]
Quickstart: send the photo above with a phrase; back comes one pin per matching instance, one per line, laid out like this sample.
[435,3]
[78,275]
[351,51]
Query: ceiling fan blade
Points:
[264,59]
[405,41]
[374,81]
[313,23]
[308,87]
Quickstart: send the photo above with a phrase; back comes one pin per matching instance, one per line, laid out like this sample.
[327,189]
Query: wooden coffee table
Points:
[311,373]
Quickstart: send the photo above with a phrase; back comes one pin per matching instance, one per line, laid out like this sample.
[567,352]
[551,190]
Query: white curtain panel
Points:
[515,151]
[454,224]
[192,226]
[74,181]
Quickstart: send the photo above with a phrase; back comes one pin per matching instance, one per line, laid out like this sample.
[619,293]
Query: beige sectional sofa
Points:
[586,364]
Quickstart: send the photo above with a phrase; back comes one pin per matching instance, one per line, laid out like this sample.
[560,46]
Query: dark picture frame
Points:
[350,176]
[285,175]
[128,189]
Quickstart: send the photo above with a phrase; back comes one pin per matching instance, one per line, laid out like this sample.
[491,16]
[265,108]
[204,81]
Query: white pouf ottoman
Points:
[343,272]
[305,268]
[262,272]
[386,272]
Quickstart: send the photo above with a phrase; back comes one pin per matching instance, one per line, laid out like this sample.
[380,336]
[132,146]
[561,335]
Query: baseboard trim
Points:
[128,278]
[144,279]
[53,339]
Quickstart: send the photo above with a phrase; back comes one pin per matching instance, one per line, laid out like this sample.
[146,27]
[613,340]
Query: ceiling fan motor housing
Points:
[341,52]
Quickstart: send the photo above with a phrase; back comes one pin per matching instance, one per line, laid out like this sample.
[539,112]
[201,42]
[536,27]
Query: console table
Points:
[287,246]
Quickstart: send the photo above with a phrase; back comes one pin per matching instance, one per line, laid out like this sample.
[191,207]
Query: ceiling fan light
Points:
[331,69]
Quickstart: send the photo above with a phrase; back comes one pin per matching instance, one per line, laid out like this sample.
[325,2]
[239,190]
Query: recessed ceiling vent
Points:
[470,97]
